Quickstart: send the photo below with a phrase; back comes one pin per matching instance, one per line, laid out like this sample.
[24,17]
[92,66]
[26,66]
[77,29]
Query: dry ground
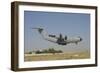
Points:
[57,56]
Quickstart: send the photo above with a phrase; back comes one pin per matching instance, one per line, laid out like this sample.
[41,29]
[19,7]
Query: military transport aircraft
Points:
[58,39]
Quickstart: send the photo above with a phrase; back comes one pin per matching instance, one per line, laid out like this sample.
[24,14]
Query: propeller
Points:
[60,36]
[65,37]
[80,38]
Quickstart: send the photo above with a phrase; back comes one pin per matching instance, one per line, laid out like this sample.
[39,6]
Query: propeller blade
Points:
[65,37]
[81,39]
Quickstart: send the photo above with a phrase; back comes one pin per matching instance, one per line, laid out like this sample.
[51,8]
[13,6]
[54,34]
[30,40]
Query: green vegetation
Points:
[50,50]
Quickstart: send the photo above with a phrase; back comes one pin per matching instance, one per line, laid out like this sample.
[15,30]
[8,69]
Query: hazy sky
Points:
[70,24]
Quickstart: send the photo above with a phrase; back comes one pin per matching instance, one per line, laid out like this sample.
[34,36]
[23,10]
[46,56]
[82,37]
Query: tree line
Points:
[50,50]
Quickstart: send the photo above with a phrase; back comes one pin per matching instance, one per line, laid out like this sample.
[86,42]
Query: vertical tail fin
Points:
[40,30]
[45,35]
